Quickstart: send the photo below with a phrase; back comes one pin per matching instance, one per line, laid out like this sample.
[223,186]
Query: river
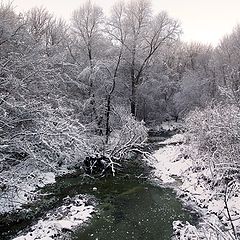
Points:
[129,206]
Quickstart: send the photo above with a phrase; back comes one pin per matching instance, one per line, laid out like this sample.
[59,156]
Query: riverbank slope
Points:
[174,167]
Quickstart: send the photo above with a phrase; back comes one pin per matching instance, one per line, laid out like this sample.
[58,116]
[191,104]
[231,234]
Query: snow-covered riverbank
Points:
[20,184]
[61,221]
[24,188]
[21,188]
[174,167]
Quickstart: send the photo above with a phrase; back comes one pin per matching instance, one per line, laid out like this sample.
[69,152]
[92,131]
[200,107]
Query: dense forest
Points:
[90,89]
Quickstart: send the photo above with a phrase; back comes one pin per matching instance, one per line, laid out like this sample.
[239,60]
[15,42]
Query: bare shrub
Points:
[215,133]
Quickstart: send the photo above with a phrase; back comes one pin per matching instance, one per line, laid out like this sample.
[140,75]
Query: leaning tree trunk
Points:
[133,92]
[133,100]
[108,110]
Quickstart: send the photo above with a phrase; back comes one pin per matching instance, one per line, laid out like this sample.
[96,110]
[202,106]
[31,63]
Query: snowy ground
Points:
[20,183]
[171,125]
[22,189]
[62,220]
[173,167]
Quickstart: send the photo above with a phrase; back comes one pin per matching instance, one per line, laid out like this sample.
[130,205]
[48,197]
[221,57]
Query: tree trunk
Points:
[108,118]
[133,99]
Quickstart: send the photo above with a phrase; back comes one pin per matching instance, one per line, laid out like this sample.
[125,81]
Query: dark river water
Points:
[129,207]
[134,210]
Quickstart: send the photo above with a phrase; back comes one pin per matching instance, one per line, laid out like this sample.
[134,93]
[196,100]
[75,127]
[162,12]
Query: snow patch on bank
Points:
[173,167]
[21,189]
[76,212]
[171,125]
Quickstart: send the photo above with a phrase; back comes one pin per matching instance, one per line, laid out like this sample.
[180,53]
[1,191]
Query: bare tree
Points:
[87,21]
[38,20]
[56,34]
[144,35]
[227,57]
[112,30]
[87,27]
[11,25]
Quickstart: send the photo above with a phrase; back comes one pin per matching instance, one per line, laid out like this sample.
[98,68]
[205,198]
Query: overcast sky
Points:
[202,20]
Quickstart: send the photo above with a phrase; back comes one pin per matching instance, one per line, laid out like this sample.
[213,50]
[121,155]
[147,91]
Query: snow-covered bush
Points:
[215,133]
[129,134]
[47,136]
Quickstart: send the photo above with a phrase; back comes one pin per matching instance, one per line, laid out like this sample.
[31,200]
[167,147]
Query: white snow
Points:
[170,125]
[170,160]
[22,189]
[185,231]
[67,217]
[175,166]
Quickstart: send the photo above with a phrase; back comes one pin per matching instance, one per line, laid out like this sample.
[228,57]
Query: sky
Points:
[205,21]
